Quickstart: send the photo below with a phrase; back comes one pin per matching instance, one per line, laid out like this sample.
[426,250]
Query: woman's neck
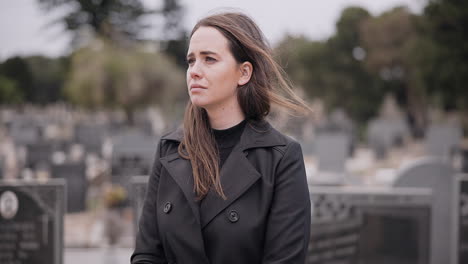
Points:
[225,116]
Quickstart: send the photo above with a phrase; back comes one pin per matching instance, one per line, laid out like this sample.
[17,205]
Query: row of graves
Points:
[57,174]
[419,215]
[422,218]
[122,150]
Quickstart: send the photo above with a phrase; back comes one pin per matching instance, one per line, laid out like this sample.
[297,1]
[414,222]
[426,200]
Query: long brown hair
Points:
[267,85]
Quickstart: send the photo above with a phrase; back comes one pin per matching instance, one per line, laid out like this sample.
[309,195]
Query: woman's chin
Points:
[199,102]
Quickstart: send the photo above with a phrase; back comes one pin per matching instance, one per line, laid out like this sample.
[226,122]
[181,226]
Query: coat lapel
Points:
[181,171]
[237,175]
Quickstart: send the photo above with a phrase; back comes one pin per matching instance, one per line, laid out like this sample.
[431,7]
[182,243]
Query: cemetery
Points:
[373,91]
[389,199]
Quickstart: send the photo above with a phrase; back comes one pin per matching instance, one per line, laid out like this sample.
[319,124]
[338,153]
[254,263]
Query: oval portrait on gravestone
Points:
[8,205]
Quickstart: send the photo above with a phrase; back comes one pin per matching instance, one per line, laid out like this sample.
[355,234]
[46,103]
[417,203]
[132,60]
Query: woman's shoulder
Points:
[290,142]
[268,133]
[169,142]
[174,135]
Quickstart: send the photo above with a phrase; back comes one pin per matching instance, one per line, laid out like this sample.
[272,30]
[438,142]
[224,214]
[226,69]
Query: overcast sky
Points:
[25,30]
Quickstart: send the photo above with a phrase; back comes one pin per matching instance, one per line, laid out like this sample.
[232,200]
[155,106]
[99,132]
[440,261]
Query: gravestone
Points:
[74,175]
[383,134]
[338,122]
[388,130]
[31,222]
[442,140]
[38,154]
[464,160]
[461,231]
[2,168]
[24,133]
[365,225]
[138,193]
[91,136]
[332,151]
[437,175]
[133,153]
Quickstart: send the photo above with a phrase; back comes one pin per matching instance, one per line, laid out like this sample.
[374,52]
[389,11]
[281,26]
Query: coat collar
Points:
[237,173]
[256,134]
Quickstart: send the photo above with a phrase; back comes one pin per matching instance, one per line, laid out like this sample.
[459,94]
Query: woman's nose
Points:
[195,71]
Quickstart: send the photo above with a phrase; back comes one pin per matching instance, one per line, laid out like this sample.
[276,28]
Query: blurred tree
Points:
[113,67]
[394,43]
[174,35]
[122,21]
[104,75]
[117,20]
[351,80]
[16,69]
[48,78]
[334,70]
[421,59]
[37,79]
[446,24]
[9,93]
[173,13]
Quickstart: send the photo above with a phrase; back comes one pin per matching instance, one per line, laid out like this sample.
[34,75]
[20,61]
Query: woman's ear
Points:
[246,70]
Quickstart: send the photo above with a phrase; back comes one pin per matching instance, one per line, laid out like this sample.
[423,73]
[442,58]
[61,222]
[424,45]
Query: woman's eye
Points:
[210,59]
[190,61]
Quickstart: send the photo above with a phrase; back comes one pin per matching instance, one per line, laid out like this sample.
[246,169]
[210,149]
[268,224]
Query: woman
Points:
[228,188]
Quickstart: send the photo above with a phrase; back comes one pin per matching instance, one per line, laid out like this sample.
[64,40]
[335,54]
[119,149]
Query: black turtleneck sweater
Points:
[226,139]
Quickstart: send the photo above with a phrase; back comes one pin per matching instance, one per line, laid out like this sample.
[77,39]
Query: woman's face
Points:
[213,74]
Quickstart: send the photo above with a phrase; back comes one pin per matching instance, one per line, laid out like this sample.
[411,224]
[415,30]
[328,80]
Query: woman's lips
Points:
[196,87]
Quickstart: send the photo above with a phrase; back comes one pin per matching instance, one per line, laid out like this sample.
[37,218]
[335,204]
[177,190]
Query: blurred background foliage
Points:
[419,58]
[106,75]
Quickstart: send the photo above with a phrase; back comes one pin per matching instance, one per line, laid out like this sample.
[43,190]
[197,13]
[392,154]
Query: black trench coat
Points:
[265,219]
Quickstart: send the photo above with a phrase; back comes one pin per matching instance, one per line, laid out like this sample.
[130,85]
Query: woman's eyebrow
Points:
[204,52]
[208,53]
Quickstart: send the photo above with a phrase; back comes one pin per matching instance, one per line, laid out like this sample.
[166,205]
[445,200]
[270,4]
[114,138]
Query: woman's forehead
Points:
[207,39]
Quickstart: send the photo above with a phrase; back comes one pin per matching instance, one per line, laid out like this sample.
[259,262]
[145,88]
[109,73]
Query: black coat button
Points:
[167,207]
[233,216]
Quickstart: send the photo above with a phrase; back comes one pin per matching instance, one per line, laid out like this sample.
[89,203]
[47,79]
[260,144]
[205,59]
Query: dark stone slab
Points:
[31,222]
[138,193]
[133,154]
[462,221]
[39,154]
[437,175]
[74,175]
[24,134]
[364,225]
[91,136]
